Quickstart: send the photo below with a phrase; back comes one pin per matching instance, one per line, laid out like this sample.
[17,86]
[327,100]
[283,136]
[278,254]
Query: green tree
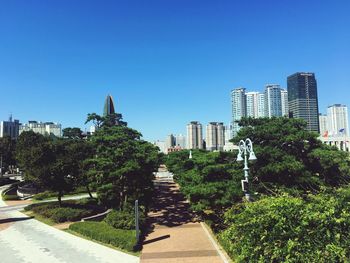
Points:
[51,163]
[290,156]
[72,133]
[7,151]
[123,165]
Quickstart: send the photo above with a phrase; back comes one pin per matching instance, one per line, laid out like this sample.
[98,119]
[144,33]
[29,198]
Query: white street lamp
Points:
[245,148]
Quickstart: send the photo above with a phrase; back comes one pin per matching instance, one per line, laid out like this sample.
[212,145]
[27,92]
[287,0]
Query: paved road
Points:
[26,240]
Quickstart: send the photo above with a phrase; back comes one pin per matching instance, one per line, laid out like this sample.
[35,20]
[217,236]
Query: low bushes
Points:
[69,211]
[123,219]
[10,193]
[101,231]
[286,229]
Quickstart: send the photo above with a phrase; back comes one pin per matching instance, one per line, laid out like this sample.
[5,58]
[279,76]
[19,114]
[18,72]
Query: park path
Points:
[177,236]
[23,239]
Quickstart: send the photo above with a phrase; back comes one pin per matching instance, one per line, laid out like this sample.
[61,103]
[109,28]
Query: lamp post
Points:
[245,148]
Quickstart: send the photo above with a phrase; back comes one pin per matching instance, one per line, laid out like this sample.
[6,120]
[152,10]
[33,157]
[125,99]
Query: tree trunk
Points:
[88,190]
[60,198]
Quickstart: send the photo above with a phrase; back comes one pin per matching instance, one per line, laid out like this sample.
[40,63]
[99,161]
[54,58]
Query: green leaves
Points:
[122,166]
[287,229]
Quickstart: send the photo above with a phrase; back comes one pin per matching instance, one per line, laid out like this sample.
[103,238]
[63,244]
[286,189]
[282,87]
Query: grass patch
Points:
[102,232]
[72,210]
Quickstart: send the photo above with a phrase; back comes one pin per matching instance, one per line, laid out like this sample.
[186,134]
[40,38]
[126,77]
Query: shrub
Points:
[101,231]
[10,197]
[123,219]
[286,229]
[69,211]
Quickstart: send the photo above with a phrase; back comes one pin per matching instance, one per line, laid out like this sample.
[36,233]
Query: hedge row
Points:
[69,211]
[288,229]
[101,231]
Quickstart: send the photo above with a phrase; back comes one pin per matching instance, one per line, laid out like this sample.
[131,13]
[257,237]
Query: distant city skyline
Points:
[165,62]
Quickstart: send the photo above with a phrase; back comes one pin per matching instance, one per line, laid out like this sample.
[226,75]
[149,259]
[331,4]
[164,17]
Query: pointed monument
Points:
[109,106]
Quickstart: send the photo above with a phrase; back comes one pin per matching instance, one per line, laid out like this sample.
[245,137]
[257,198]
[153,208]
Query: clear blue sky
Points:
[165,62]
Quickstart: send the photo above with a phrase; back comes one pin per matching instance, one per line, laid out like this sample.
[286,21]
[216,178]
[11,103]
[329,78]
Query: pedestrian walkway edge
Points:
[218,249]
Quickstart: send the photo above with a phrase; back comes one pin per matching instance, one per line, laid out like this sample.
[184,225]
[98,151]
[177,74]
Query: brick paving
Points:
[176,234]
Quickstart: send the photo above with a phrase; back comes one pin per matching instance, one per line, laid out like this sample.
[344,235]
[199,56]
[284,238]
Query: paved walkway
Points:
[177,235]
[23,239]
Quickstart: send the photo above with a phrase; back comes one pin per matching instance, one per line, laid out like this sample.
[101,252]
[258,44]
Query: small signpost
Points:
[137,227]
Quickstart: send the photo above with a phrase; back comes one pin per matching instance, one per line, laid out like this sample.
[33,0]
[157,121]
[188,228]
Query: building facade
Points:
[323,124]
[170,141]
[180,141]
[215,136]
[44,128]
[284,102]
[303,100]
[9,128]
[194,135]
[338,120]
[252,104]
[239,107]
[273,103]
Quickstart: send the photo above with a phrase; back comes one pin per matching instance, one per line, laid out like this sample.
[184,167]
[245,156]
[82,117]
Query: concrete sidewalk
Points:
[177,235]
[23,239]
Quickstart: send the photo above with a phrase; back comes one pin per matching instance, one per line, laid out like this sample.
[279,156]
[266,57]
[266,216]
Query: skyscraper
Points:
[9,128]
[273,103]
[194,135]
[239,108]
[284,102]
[337,120]
[215,136]
[109,106]
[302,99]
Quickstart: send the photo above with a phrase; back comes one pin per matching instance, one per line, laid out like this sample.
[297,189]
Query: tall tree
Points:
[7,151]
[73,133]
[291,156]
[123,166]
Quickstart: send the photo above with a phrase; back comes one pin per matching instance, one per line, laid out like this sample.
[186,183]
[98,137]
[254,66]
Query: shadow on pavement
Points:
[170,208]
[14,219]
[156,239]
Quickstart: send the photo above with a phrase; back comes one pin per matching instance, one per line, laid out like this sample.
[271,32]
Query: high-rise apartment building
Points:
[273,103]
[261,105]
[215,136]
[284,102]
[109,106]
[252,104]
[44,128]
[239,107]
[180,141]
[338,120]
[9,128]
[302,99]
[194,135]
[170,141]
[323,124]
